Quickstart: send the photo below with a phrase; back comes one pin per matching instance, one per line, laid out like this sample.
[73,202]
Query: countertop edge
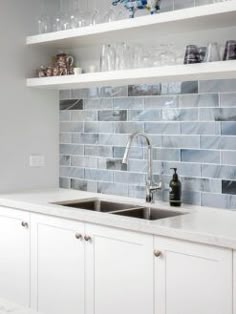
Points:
[124,223]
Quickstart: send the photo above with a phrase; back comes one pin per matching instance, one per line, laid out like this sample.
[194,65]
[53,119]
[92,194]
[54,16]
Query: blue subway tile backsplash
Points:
[202,156]
[228,128]
[192,126]
[71,104]
[217,86]
[228,100]
[199,128]
[229,187]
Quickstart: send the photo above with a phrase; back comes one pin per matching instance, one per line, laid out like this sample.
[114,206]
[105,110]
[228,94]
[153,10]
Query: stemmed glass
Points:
[113,15]
[65,16]
[109,16]
[87,16]
[73,13]
[57,24]
[69,14]
[44,25]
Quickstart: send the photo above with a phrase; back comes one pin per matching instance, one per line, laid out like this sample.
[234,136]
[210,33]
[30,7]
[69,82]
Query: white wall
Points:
[28,118]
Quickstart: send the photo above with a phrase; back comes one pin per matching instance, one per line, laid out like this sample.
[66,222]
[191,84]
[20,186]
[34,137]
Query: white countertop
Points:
[7,307]
[201,224]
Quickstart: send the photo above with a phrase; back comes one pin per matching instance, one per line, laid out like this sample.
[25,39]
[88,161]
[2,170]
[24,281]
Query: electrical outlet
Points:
[37,161]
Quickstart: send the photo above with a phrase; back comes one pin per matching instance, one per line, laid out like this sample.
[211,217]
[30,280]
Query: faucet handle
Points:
[156,187]
[150,192]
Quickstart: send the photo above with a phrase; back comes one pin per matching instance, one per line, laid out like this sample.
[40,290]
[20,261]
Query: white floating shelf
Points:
[202,71]
[218,15]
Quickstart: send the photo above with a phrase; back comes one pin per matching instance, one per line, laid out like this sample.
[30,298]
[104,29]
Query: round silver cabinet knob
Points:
[87,238]
[78,236]
[157,253]
[25,224]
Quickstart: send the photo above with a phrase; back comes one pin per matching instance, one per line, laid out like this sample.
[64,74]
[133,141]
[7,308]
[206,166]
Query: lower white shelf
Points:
[190,72]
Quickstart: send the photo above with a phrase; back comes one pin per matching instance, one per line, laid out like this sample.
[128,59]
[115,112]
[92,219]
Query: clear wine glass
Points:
[94,17]
[109,16]
[43,24]
[65,16]
[121,13]
[81,21]
[57,24]
[73,13]
[87,16]
[43,21]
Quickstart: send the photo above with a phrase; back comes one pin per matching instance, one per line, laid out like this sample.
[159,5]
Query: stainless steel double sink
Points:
[122,209]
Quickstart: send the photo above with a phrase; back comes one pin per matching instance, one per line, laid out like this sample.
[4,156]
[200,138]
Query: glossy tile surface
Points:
[192,126]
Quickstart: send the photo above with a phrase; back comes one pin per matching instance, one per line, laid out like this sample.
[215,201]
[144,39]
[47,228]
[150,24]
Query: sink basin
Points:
[148,213]
[98,205]
[122,209]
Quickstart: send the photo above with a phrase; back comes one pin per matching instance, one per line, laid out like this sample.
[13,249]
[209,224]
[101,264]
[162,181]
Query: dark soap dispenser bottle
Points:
[175,190]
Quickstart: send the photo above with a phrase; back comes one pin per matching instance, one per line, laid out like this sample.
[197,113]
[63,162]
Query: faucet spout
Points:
[128,146]
[150,186]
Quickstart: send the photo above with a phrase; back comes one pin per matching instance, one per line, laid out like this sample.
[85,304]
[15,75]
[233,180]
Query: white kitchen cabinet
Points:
[192,278]
[105,271]
[119,271]
[80,268]
[15,256]
[57,270]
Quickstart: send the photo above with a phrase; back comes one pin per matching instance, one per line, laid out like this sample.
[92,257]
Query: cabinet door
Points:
[192,278]
[57,265]
[119,272]
[14,261]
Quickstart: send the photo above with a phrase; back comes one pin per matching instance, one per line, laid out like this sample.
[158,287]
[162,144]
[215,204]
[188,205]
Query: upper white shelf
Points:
[218,15]
[200,71]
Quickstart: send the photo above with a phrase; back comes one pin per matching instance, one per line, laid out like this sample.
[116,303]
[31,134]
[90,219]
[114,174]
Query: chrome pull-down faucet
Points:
[151,187]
